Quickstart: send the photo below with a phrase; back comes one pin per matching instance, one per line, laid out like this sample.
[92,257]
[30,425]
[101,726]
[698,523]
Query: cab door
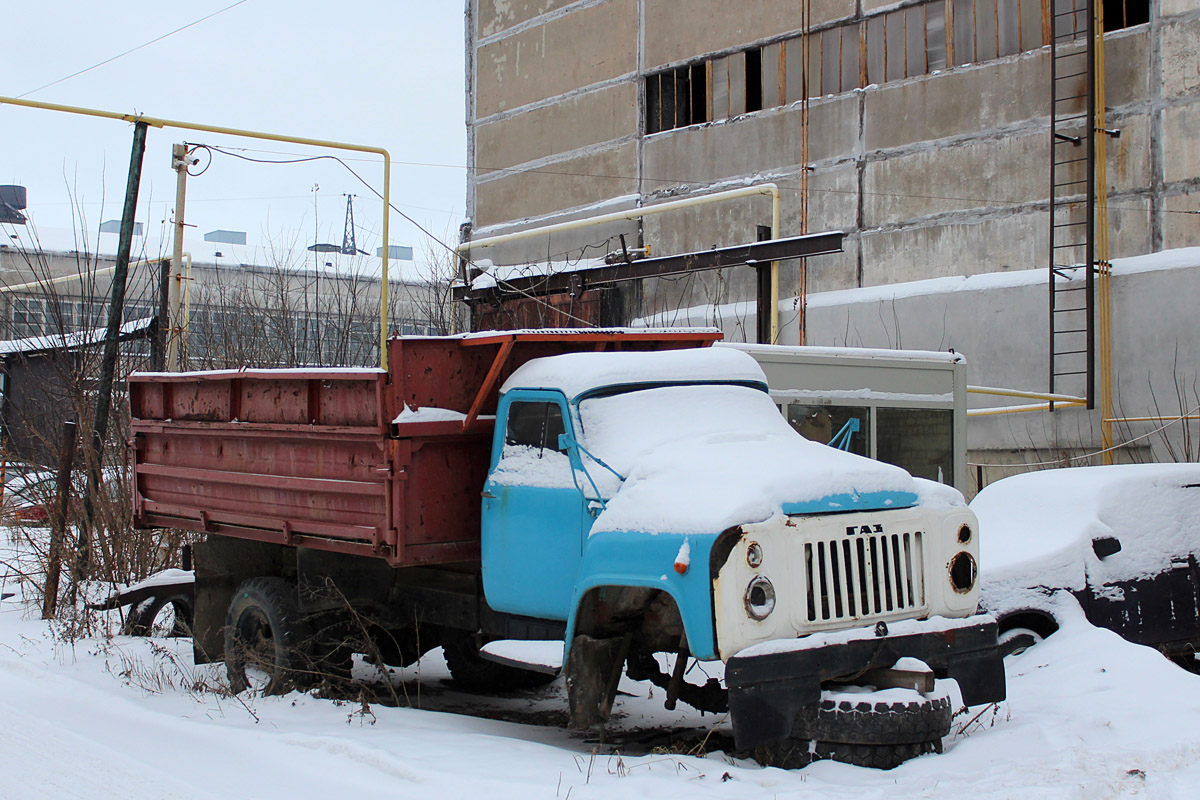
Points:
[533,509]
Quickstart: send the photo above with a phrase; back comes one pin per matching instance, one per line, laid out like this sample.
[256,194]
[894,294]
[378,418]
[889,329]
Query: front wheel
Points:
[1015,641]
[266,638]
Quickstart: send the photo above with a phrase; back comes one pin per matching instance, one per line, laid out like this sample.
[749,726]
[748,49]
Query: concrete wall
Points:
[940,174]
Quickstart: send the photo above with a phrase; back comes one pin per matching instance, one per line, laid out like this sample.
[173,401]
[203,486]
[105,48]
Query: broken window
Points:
[677,98]
[754,81]
[1125,13]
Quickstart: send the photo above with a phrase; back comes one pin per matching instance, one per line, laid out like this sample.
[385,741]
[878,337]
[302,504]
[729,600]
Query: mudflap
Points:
[768,686]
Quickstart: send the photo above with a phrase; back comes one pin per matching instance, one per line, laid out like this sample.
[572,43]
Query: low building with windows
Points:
[233,314]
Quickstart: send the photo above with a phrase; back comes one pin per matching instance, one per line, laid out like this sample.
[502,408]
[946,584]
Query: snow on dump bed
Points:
[575,373]
[698,459]
[1039,526]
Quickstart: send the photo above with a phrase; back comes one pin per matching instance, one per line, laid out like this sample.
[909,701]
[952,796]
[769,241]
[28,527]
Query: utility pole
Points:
[108,364]
[179,163]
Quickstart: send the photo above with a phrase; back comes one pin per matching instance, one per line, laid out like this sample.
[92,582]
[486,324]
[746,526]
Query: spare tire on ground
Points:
[863,729]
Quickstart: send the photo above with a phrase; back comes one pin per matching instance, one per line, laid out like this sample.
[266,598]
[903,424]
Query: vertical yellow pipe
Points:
[1103,267]
[383,286]
[774,268]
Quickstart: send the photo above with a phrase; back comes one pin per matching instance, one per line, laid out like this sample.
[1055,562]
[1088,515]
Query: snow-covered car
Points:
[1122,540]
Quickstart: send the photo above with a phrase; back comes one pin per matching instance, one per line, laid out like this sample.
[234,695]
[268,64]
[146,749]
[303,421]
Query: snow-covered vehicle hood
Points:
[1038,528]
[701,458]
[710,484]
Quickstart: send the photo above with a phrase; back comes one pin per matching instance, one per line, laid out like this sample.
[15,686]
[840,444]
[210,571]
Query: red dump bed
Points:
[313,457]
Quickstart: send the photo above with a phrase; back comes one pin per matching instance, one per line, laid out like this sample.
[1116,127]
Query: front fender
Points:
[648,561]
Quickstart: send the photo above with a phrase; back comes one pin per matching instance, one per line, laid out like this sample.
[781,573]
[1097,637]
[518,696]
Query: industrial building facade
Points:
[927,143]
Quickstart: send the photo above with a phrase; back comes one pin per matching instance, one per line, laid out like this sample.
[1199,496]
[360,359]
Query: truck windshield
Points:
[621,428]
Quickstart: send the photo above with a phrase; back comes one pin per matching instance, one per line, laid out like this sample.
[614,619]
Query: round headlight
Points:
[760,598]
[754,555]
[963,573]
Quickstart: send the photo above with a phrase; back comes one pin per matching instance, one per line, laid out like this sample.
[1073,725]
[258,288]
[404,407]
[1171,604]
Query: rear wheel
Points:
[266,638]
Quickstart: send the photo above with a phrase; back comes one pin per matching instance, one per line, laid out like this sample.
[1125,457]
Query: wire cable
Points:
[413,222]
[134,49]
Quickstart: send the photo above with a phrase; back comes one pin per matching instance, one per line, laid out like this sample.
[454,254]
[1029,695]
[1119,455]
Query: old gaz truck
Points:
[624,493]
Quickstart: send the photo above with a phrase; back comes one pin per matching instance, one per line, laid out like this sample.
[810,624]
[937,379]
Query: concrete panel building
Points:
[928,145]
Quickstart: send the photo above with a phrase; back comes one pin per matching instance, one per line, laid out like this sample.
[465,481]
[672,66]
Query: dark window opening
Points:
[699,94]
[677,98]
[903,43]
[754,82]
[1124,13]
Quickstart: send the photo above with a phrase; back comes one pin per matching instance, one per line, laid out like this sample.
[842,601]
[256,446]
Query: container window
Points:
[921,440]
[833,425]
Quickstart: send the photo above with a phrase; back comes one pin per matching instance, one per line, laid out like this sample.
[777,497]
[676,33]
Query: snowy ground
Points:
[1088,716]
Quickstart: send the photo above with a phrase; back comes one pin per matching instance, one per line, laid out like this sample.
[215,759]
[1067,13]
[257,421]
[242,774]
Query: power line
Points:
[680,181]
[417,225]
[134,49]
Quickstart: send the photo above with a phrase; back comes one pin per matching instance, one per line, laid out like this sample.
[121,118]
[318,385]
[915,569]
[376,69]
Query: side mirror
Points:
[1105,546]
[565,441]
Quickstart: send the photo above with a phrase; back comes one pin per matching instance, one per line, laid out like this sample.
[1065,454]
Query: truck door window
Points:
[534,425]
[824,423]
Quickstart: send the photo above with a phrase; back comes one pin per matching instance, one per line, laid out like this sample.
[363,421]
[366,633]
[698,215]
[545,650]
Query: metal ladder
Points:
[1072,200]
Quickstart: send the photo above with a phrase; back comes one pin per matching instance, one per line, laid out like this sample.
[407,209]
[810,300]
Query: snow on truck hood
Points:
[1037,528]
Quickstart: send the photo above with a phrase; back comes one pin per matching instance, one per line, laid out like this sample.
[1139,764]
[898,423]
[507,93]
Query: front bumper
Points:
[769,683]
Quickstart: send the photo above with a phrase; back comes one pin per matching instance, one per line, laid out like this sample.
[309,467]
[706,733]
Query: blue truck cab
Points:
[658,502]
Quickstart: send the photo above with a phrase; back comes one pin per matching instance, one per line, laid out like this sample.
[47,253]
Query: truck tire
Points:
[266,638]
[162,616]
[472,671]
[874,723]
[796,753]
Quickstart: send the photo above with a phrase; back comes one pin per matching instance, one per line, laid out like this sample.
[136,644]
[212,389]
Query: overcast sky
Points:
[385,73]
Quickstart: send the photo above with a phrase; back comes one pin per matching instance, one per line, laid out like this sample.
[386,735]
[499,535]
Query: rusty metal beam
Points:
[576,281]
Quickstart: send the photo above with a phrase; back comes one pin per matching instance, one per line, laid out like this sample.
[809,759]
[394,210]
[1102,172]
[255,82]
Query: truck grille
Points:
[860,576]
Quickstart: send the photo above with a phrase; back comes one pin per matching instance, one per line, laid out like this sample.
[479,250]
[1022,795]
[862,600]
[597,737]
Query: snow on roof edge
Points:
[69,341]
